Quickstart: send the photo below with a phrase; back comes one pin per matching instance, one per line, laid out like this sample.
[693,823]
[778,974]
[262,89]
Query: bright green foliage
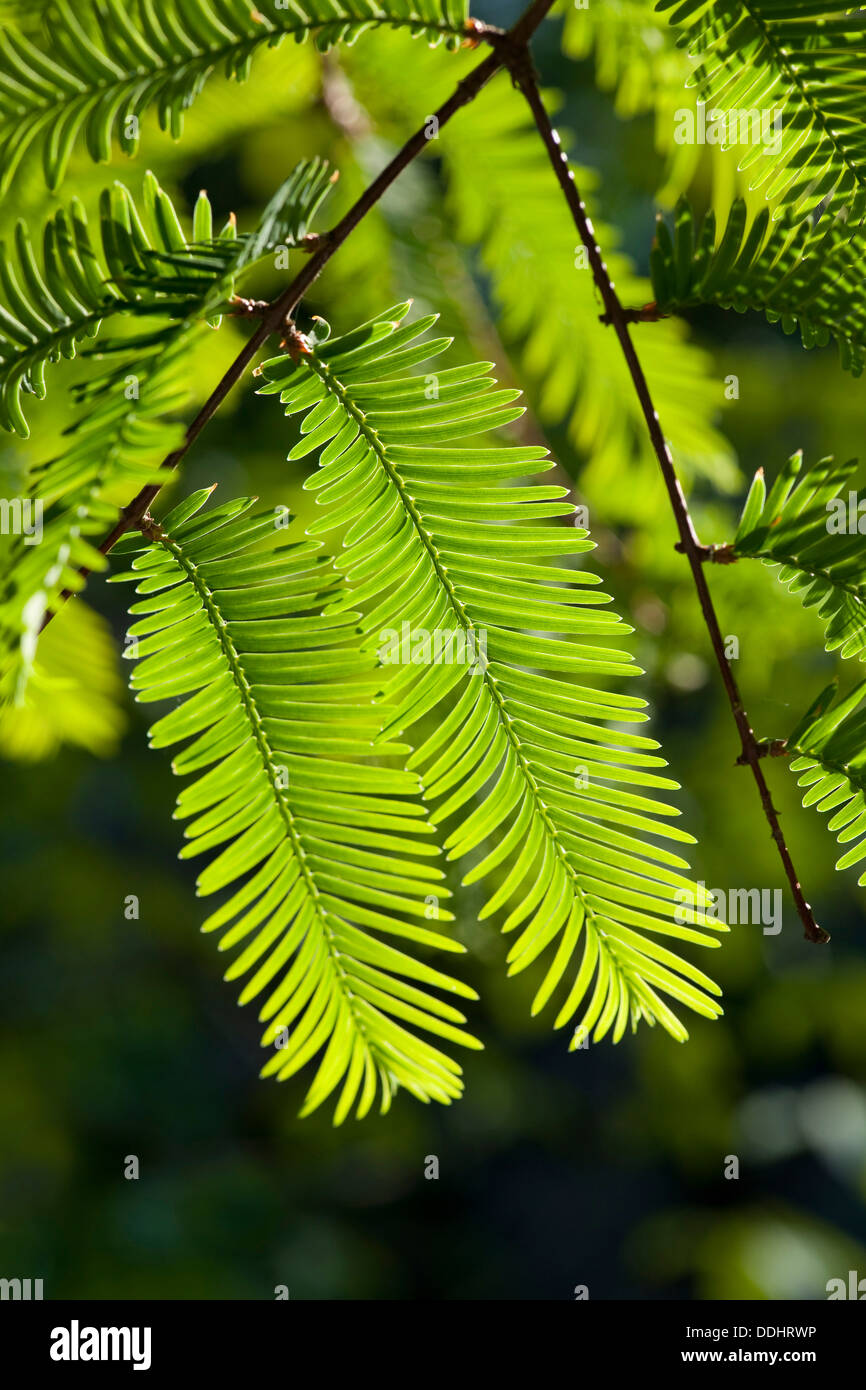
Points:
[103,63]
[634,49]
[439,538]
[118,443]
[802,58]
[52,304]
[831,744]
[504,203]
[194,278]
[508,201]
[456,614]
[799,274]
[324,848]
[147,267]
[801,527]
[142,263]
[73,695]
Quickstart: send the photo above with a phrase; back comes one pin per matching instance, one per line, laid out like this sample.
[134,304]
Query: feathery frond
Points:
[128,418]
[141,264]
[802,528]
[114,449]
[445,555]
[800,58]
[51,307]
[830,742]
[801,274]
[325,850]
[104,63]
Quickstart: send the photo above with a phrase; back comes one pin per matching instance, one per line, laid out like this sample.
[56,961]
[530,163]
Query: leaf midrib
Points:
[332,383]
[233,659]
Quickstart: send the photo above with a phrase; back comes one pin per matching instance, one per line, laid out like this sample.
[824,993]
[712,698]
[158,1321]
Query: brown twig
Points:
[525,79]
[506,48]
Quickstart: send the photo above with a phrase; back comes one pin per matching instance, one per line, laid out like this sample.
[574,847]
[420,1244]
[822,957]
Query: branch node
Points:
[294,342]
[710,554]
[151,528]
[315,241]
[764,748]
[248,308]
[649,313]
[517,58]
[477,31]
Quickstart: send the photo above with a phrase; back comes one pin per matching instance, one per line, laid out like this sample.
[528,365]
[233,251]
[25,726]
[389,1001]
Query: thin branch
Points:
[524,77]
[275,317]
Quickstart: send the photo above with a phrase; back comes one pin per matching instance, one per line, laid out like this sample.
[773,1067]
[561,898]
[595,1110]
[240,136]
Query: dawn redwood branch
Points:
[275,317]
[524,77]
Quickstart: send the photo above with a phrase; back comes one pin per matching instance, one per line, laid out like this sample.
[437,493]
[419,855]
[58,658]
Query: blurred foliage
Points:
[74,692]
[602,1167]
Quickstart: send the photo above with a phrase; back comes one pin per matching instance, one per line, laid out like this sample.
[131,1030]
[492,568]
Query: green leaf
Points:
[127,425]
[103,63]
[802,59]
[636,57]
[50,305]
[322,845]
[504,204]
[803,529]
[805,274]
[505,199]
[141,265]
[506,650]
[831,762]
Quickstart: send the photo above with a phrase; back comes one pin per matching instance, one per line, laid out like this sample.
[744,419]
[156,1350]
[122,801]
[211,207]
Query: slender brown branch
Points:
[524,77]
[275,316]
